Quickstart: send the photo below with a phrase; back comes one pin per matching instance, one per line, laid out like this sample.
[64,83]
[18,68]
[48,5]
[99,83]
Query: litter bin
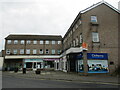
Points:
[24,70]
[38,71]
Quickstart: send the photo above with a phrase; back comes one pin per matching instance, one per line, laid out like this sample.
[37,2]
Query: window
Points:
[47,51]
[77,41]
[71,32]
[73,29]
[8,51]
[74,43]
[22,42]
[41,51]
[80,22]
[53,51]
[46,42]
[9,42]
[41,41]
[35,42]
[80,38]
[59,42]
[76,26]
[95,37]
[53,42]
[21,51]
[15,51]
[27,51]
[15,41]
[93,18]
[34,51]
[28,41]
[59,51]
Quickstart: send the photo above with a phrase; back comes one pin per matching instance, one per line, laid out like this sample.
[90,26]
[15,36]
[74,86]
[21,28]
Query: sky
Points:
[40,17]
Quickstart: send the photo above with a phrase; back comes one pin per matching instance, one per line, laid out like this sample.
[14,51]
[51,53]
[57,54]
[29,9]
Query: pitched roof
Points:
[97,4]
[33,37]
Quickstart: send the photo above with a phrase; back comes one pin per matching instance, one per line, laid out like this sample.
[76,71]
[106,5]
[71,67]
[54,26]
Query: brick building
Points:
[89,46]
[32,51]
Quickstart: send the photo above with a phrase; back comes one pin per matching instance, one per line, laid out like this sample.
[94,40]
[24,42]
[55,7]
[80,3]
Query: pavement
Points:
[59,75]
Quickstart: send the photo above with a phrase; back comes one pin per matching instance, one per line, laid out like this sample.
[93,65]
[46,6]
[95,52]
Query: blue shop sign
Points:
[102,56]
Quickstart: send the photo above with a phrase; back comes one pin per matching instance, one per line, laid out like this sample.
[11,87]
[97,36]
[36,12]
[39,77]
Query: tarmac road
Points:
[24,82]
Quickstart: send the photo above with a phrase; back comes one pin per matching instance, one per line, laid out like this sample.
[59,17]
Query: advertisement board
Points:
[80,66]
[98,66]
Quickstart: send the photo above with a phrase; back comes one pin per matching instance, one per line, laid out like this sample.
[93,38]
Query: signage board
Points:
[102,56]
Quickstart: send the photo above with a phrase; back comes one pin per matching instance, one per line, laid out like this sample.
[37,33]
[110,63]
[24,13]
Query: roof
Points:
[89,8]
[99,3]
[33,37]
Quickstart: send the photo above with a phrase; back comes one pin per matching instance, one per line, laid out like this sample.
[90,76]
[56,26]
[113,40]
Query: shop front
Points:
[33,64]
[97,62]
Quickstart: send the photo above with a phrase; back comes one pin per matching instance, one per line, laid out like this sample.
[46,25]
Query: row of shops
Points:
[71,62]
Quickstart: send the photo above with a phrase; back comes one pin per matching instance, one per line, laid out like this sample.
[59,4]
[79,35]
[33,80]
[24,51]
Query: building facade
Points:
[32,51]
[89,46]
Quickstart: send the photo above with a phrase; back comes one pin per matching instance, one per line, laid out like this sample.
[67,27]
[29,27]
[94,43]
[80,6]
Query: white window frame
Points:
[27,51]
[28,41]
[53,51]
[47,51]
[59,42]
[95,37]
[15,51]
[15,41]
[93,18]
[41,52]
[22,41]
[21,51]
[41,41]
[9,41]
[34,51]
[34,41]
[53,42]
[46,42]
[81,39]
[8,51]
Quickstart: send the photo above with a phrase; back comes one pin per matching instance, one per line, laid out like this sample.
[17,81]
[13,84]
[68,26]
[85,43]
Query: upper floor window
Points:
[81,38]
[59,42]
[22,42]
[34,51]
[27,51]
[41,51]
[77,41]
[35,42]
[8,51]
[76,26]
[28,41]
[95,37]
[47,51]
[14,51]
[73,43]
[9,41]
[53,42]
[53,51]
[41,41]
[93,18]
[15,41]
[59,51]
[21,51]
[47,42]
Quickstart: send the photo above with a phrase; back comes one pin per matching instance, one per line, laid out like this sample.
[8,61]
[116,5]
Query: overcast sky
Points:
[43,17]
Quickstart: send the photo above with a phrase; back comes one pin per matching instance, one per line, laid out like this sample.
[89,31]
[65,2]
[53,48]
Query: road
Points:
[22,82]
